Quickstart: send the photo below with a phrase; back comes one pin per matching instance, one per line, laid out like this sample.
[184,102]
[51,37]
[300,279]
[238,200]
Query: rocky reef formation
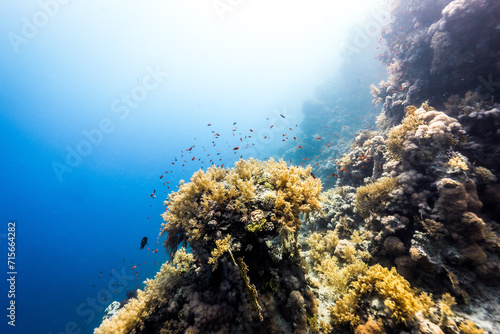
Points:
[245,273]
[421,194]
[437,49]
[416,209]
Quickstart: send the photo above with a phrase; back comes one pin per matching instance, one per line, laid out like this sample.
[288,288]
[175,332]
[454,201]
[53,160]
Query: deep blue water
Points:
[129,88]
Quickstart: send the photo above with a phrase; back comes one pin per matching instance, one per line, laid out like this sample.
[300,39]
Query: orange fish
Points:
[299,147]
[318,137]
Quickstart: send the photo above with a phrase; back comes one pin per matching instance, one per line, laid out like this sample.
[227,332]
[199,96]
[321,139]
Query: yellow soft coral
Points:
[399,297]
[233,192]
[371,197]
[155,294]
[468,327]
[397,135]
[221,248]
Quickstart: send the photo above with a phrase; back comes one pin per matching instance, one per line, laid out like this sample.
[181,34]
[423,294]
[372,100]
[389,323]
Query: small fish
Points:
[299,147]
[282,115]
[318,137]
[236,148]
[209,124]
[144,242]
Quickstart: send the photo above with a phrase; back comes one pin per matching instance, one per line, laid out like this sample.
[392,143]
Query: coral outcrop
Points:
[245,273]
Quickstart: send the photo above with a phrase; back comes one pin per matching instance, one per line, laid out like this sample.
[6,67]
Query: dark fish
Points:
[144,242]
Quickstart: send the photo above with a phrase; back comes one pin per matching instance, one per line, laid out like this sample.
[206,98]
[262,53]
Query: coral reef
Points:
[405,241]
[245,273]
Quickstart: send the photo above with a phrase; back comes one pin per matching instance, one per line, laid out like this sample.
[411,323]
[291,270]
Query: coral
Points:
[405,266]
[320,245]
[397,135]
[455,198]
[250,288]
[433,228]
[222,246]
[468,327]
[473,255]
[445,305]
[394,245]
[154,295]
[402,301]
[372,197]
[458,161]
[483,175]
[229,200]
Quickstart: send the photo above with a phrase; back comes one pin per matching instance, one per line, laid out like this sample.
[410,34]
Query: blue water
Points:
[99,100]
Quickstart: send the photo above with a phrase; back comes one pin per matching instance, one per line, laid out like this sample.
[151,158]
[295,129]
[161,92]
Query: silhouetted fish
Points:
[144,242]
